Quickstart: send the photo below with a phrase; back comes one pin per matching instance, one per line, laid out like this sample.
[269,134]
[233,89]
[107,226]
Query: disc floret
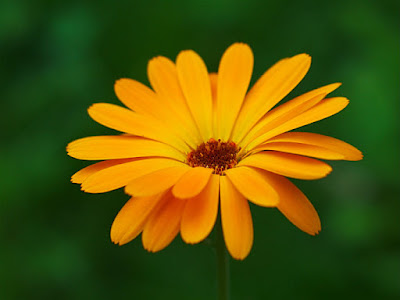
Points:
[214,154]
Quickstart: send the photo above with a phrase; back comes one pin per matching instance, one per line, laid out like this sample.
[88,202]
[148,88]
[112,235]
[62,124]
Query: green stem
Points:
[222,263]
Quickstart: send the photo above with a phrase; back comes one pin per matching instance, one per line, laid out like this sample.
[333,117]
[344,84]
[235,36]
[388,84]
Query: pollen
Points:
[214,154]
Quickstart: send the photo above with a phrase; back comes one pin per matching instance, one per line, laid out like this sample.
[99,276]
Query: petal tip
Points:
[74,179]
[240,46]
[337,84]
[356,155]
[304,56]
[189,240]
[240,256]
[118,81]
[315,232]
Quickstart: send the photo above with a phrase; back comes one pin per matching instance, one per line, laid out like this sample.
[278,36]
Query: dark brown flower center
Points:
[214,154]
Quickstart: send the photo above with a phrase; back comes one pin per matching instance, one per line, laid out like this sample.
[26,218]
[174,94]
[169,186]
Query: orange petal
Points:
[125,120]
[252,185]
[237,223]
[192,183]
[273,86]
[322,110]
[195,83]
[84,173]
[286,164]
[288,110]
[234,76]
[214,83]
[340,148]
[136,96]
[143,100]
[163,224]
[131,218]
[200,213]
[294,204]
[156,182]
[120,175]
[163,78]
[116,147]
[276,118]
[300,149]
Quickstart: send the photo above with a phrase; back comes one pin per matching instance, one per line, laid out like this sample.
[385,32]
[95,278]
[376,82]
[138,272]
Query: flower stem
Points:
[222,263]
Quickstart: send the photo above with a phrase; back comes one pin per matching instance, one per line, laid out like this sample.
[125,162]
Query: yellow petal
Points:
[278,117]
[84,173]
[234,74]
[252,185]
[200,213]
[237,223]
[156,182]
[286,164]
[120,175]
[143,100]
[163,224]
[340,148]
[322,110]
[131,218]
[116,147]
[301,149]
[192,183]
[163,78]
[214,83]
[195,83]
[137,96]
[294,204]
[287,111]
[273,86]
[125,120]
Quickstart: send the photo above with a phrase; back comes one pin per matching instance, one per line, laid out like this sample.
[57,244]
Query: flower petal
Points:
[84,173]
[120,175]
[195,82]
[234,76]
[301,149]
[286,164]
[125,120]
[340,148]
[131,218]
[213,84]
[252,185]
[287,111]
[163,224]
[277,117]
[294,204]
[116,147]
[156,182]
[322,110]
[273,86]
[137,96]
[237,223]
[163,78]
[200,213]
[192,183]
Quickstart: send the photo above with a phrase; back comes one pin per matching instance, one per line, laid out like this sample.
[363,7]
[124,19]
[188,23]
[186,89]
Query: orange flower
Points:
[198,140]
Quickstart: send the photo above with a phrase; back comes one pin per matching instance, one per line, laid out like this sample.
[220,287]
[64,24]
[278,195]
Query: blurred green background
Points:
[58,57]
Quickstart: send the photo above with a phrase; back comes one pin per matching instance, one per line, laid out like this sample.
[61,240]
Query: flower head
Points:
[197,141]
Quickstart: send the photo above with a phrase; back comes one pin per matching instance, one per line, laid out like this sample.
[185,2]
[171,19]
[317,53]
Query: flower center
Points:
[214,154]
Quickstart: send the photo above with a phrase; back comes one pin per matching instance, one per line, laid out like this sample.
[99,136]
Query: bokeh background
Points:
[58,57]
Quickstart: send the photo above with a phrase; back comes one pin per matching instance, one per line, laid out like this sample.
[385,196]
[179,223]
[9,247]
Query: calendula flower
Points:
[198,141]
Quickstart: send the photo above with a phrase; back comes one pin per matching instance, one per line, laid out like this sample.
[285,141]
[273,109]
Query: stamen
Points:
[214,154]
